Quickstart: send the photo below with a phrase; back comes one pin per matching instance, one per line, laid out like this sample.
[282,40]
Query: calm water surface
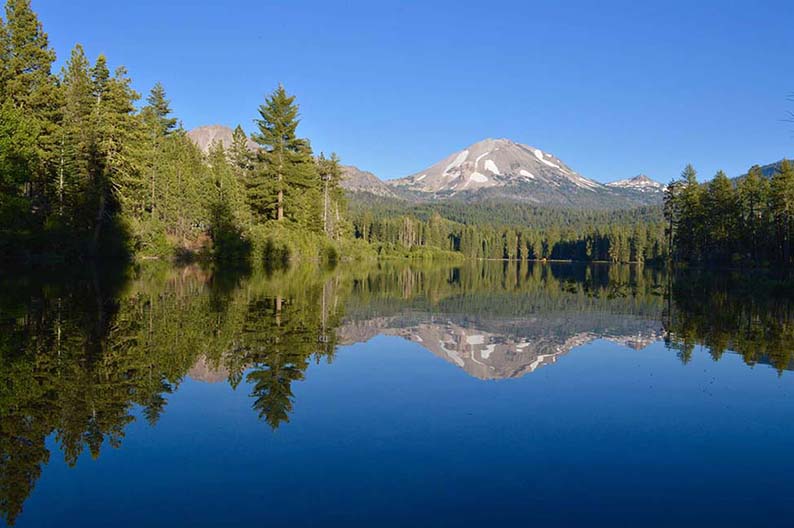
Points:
[481,395]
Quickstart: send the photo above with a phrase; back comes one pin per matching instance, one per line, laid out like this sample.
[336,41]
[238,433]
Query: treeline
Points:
[85,171]
[749,221]
[620,236]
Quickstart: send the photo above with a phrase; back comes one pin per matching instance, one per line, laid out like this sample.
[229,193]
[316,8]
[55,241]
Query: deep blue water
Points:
[389,434]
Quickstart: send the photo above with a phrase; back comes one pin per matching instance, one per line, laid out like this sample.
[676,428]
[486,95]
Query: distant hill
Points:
[356,180]
[204,136]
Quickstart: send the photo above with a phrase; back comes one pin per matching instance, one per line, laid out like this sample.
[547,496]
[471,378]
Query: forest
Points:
[731,222]
[87,171]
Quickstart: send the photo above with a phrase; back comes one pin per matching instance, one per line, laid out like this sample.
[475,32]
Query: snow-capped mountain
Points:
[640,183]
[494,163]
[501,169]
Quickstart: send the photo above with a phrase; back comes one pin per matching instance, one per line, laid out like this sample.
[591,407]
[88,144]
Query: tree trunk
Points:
[280,212]
[100,216]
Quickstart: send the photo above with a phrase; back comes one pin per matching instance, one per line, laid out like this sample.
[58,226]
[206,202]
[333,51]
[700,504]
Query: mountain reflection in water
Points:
[82,351]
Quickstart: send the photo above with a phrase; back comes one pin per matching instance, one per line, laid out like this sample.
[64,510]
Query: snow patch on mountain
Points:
[457,162]
[491,166]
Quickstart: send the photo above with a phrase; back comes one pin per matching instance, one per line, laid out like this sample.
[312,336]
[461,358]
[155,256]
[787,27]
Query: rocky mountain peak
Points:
[495,163]
[641,182]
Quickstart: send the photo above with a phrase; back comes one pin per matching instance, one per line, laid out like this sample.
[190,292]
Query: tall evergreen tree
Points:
[753,193]
[77,140]
[117,178]
[160,108]
[5,57]
[100,75]
[334,205]
[690,224]
[782,207]
[720,217]
[285,183]
[239,154]
[30,87]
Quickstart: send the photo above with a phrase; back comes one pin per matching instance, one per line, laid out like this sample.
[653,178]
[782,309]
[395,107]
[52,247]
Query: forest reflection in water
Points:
[84,352]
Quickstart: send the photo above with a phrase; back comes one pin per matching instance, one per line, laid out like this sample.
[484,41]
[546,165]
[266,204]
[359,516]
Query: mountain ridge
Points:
[502,169]
[489,170]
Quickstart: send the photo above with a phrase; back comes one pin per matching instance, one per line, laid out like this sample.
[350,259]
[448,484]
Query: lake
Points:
[483,394]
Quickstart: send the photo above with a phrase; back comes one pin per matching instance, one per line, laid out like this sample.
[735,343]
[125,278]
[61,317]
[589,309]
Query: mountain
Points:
[358,181]
[640,183]
[505,170]
[204,136]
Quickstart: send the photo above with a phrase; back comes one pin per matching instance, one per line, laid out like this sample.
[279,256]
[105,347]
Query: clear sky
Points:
[611,88]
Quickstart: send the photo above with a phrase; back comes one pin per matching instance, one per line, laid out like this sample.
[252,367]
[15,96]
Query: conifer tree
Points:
[77,148]
[334,204]
[100,75]
[159,124]
[690,224]
[753,193]
[285,183]
[5,57]
[160,108]
[30,87]
[720,217]
[782,207]
[117,176]
[672,213]
[239,154]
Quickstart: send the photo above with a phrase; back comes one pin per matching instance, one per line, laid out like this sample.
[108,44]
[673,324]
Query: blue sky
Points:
[611,88]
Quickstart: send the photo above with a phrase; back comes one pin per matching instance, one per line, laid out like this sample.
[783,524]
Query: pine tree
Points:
[30,83]
[159,125]
[160,108]
[5,57]
[672,214]
[690,225]
[753,193]
[31,88]
[720,217]
[782,207]
[78,143]
[285,183]
[334,202]
[100,75]
[117,177]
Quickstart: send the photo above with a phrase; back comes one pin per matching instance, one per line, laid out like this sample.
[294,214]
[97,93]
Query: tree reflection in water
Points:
[83,352]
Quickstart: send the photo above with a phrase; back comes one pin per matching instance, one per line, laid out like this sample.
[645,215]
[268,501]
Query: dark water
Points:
[481,395]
